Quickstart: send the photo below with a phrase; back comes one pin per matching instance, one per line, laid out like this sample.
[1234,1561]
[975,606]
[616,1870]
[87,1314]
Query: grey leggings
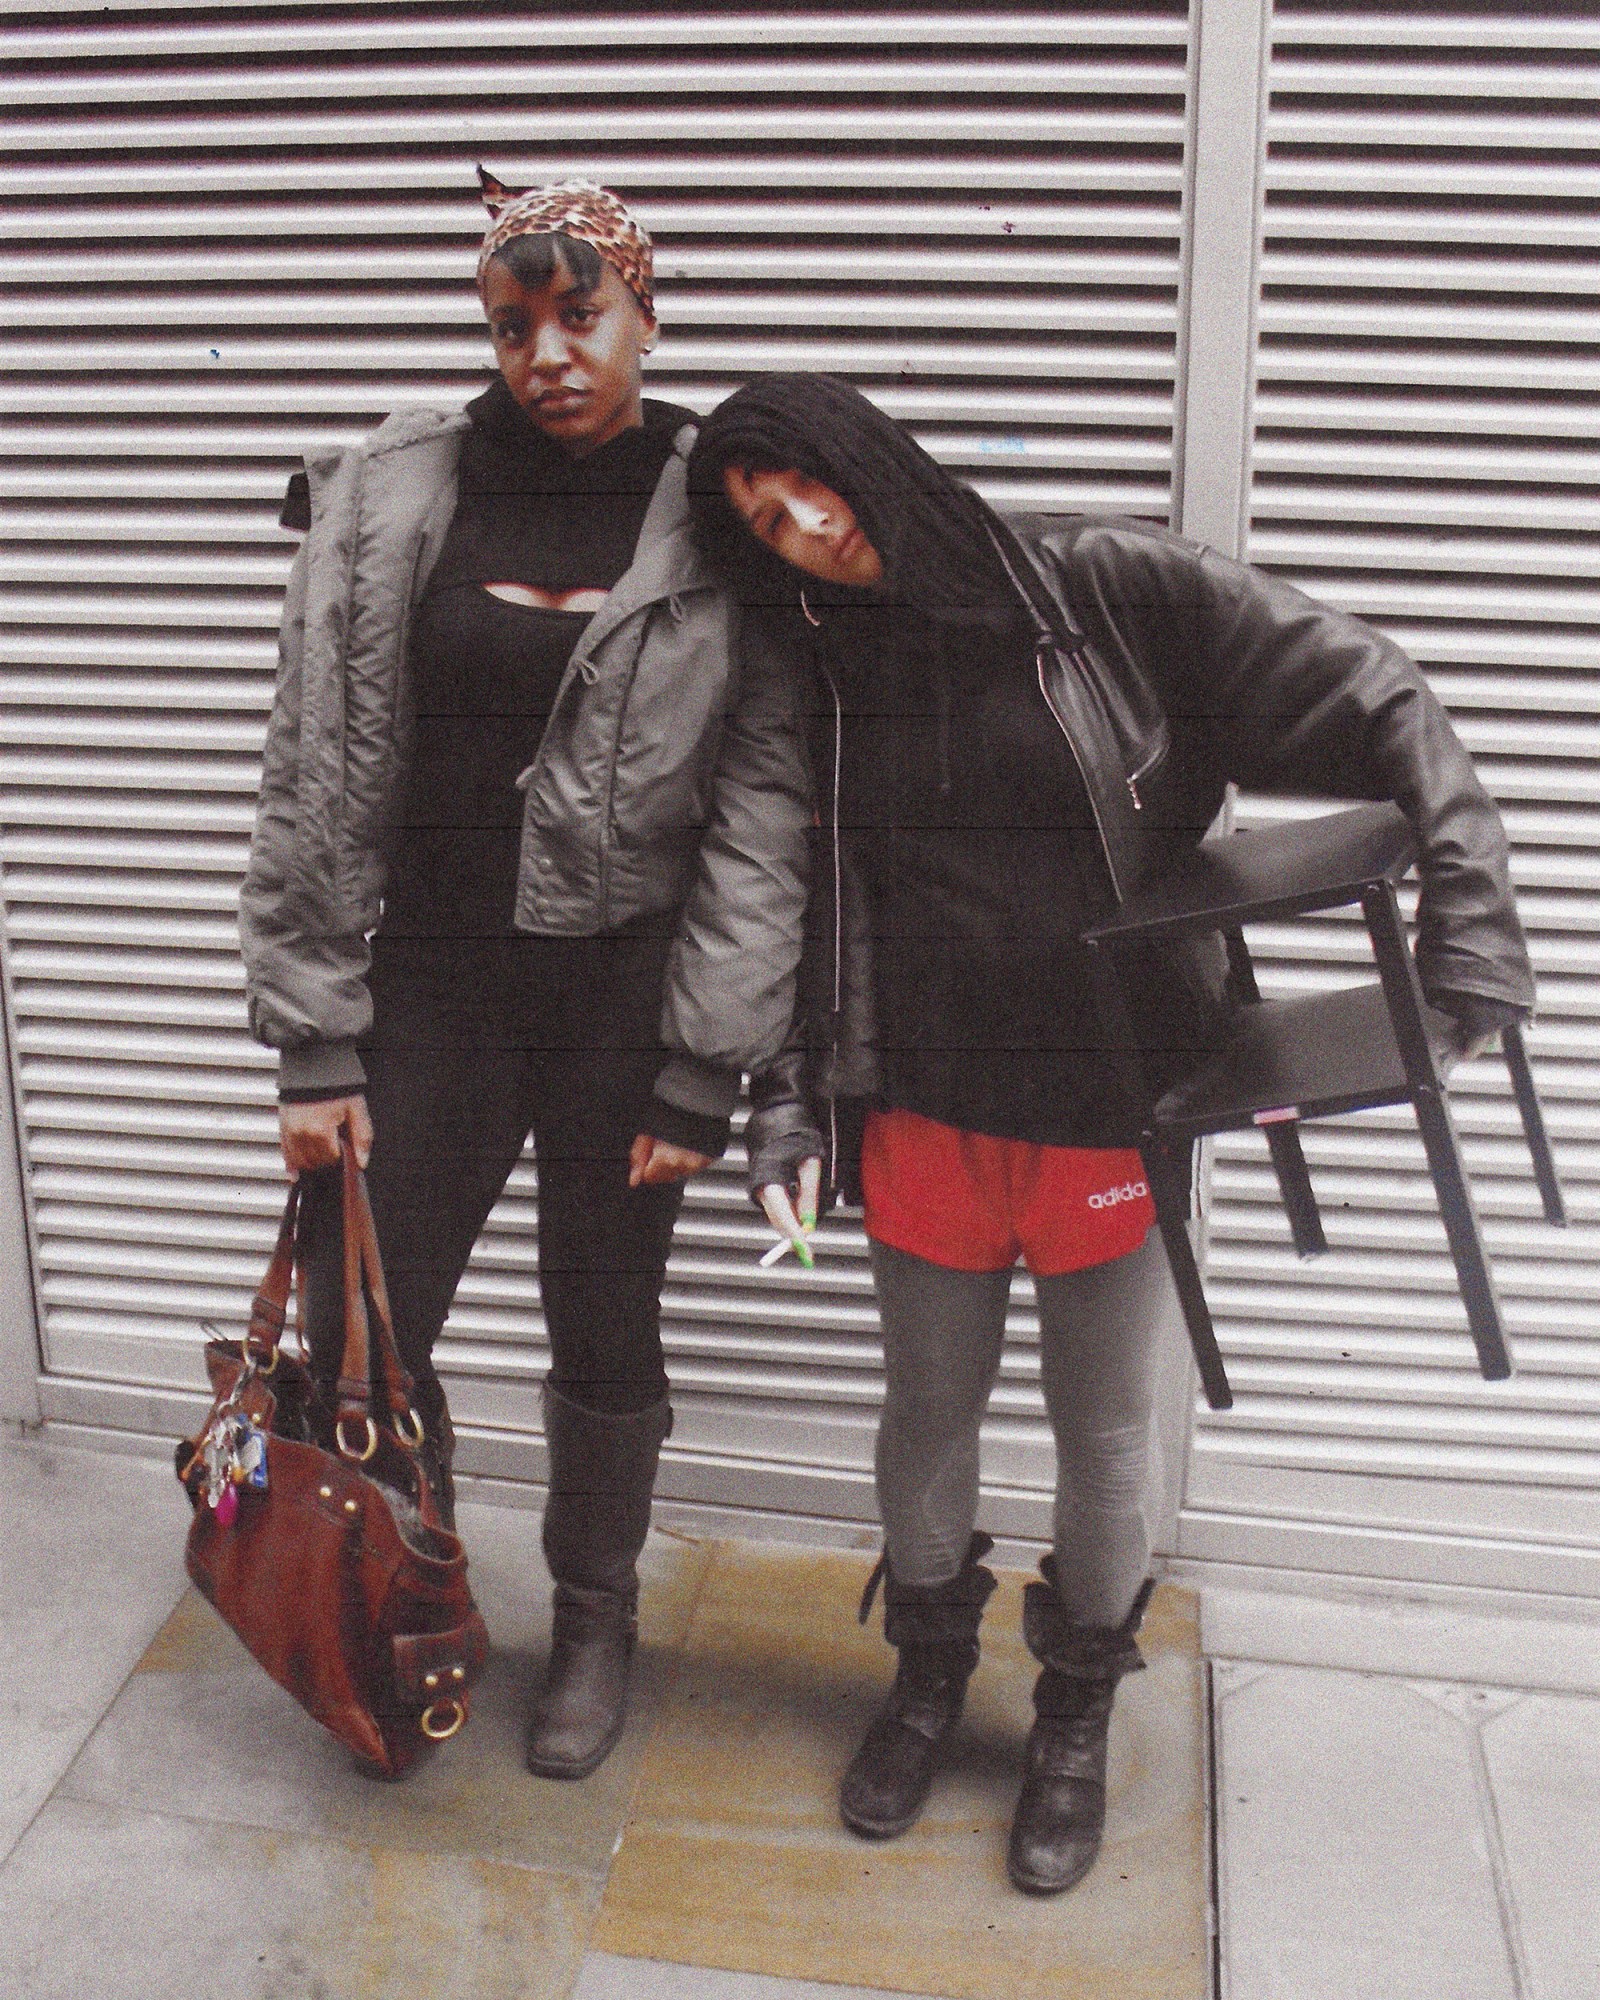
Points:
[942,1336]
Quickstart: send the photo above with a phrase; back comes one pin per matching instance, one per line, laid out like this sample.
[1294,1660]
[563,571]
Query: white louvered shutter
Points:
[1426,454]
[234,232]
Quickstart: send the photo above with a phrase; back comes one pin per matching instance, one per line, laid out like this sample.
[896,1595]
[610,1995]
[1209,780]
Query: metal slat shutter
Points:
[1425,455]
[233,231]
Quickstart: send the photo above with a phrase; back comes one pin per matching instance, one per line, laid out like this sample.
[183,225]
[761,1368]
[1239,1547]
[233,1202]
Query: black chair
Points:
[1312,1057]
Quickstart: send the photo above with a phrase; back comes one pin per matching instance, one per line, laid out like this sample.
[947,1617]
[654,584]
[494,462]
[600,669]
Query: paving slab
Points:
[1355,1857]
[733,1855]
[92,1563]
[1543,1758]
[124,1905]
[606,1977]
[199,1730]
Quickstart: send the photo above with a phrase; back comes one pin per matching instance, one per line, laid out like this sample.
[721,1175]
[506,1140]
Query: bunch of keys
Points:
[235,1455]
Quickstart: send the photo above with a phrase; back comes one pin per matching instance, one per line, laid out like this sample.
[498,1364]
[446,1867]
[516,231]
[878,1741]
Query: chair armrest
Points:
[1274,871]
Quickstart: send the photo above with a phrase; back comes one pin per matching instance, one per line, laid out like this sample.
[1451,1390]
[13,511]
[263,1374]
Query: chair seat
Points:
[1318,1055]
[1269,872]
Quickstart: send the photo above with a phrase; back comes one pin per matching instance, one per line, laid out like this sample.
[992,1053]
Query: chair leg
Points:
[1515,1052]
[1294,1184]
[1172,1218]
[1456,1207]
[1460,1217]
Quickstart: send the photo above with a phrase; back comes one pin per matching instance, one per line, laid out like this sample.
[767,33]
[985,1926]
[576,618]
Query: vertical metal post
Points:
[21,1354]
[1215,389]
[1222,254]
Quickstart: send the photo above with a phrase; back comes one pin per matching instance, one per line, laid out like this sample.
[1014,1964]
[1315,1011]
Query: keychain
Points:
[235,1456]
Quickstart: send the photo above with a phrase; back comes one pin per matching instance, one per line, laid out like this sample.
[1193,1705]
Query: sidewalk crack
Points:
[1499,1866]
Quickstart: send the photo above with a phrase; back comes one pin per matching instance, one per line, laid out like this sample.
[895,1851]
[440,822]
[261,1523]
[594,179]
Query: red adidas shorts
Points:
[973,1203]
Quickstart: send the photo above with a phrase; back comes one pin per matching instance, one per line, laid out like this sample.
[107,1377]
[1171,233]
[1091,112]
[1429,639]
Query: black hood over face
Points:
[929,530]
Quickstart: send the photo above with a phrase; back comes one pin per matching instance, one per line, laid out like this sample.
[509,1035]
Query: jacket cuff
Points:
[325,1069]
[710,1090]
[696,1130]
[1477,1014]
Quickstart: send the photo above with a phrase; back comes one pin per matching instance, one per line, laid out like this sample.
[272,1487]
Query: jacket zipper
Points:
[407,607]
[606,828]
[1044,645]
[1143,771]
[838,917]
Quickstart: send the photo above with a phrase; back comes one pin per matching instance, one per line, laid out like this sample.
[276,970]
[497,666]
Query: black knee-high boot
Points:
[935,1628]
[602,1475]
[1061,1814]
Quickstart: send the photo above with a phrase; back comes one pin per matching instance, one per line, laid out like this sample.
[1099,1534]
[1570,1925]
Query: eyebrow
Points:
[571,290]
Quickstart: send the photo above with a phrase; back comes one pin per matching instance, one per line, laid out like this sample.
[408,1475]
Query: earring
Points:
[811,616]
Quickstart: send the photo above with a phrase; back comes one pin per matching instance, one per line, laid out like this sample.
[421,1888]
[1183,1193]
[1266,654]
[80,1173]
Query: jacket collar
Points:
[667,561]
[1053,622]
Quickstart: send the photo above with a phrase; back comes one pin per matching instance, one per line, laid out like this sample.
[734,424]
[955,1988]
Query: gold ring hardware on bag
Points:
[345,1450]
[431,1729]
[415,1435]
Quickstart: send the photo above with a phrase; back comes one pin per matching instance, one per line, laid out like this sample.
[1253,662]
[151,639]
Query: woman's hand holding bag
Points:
[310,1133]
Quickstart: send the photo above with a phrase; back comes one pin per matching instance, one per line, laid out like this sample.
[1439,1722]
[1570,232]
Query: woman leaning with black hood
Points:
[1012,726]
[529,857]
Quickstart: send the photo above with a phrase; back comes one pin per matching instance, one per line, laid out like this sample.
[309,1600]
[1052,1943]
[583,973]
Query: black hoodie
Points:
[959,800]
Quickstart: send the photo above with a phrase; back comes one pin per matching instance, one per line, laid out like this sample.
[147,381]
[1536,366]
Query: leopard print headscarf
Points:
[575,208]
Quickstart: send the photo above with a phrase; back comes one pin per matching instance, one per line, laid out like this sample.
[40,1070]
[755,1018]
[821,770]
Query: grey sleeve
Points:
[730,983]
[305,976]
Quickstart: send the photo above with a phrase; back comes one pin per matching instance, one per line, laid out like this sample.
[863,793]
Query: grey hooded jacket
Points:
[672,773]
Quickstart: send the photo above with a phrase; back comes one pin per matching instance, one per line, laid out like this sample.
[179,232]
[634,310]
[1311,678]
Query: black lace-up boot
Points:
[602,1476]
[935,1628]
[1061,1815]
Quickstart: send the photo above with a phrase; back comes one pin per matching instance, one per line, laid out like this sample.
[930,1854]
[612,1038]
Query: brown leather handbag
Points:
[317,1535]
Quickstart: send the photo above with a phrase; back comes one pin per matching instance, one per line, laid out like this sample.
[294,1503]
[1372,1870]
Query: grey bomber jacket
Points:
[672,773]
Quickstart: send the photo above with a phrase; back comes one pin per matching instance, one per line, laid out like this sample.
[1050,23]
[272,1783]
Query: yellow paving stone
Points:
[199,1729]
[733,1855]
[191,1641]
[127,1905]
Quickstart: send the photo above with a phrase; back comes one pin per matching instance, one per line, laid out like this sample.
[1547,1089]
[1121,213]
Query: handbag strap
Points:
[269,1309]
[396,1375]
[363,1279]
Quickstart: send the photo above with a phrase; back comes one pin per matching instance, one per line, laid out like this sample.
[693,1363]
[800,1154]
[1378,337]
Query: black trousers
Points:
[474,1045]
